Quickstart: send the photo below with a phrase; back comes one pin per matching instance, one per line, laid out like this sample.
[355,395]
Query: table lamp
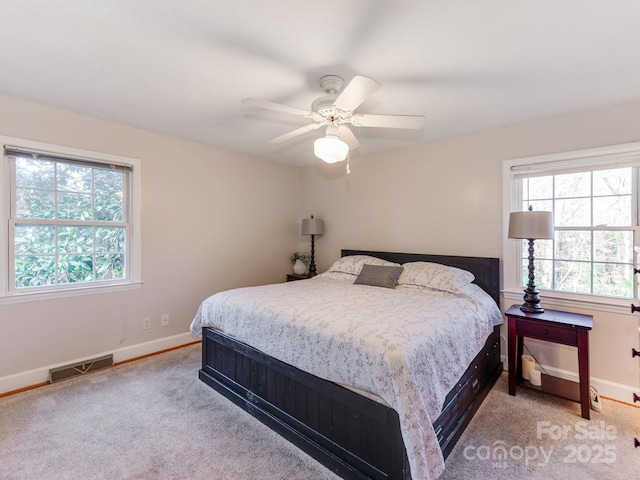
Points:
[531,225]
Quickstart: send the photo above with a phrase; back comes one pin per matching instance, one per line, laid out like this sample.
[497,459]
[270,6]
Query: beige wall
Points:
[208,217]
[445,197]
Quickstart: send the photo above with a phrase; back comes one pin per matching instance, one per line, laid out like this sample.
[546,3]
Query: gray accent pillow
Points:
[379,275]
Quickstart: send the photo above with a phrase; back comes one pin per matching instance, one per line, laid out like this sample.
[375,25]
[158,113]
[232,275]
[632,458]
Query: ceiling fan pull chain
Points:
[348,169]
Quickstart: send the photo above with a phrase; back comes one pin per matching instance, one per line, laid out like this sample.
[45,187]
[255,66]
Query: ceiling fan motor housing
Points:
[324,105]
[331,84]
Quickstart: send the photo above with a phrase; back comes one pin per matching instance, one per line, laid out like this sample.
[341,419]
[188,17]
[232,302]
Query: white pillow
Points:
[343,277]
[435,275]
[352,264]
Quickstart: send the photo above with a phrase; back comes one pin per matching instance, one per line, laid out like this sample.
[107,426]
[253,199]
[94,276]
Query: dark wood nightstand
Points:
[558,327]
[292,277]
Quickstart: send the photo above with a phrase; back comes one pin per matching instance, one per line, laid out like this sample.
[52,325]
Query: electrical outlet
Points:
[164,320]
[146,323]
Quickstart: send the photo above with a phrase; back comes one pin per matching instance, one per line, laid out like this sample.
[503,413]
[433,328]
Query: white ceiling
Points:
[181,67]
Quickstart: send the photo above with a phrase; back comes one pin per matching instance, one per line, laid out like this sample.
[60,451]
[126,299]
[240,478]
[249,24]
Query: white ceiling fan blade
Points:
[388,121]
[254,102]
[295,133]
[348,137]
[357,91]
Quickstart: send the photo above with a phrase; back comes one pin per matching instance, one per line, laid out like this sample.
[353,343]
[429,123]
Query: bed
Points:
[359,424]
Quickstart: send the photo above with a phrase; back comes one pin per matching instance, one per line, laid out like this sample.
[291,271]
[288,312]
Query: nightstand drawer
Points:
[547,331]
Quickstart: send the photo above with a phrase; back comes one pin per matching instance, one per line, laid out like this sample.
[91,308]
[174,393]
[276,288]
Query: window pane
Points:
[110,239]
[542,273]
[573,245]
[538,188]
[75,268]
[575,212]
[542,249]
[73,206]
[612,182]
[74,178]
[612,211]
[35,173]
[573,185]
[75,239]
[108,182]
[34,270]
[34,203]
[613,246]
[613,280]
[110,266]
[538,205]
[573,277]
[109,208]
[34,239]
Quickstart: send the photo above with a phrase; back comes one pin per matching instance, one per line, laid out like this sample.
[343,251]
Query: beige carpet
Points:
[153,419]
[536,436]
[150,419]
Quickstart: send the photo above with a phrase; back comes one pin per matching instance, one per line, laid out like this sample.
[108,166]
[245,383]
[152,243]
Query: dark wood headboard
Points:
[485,269]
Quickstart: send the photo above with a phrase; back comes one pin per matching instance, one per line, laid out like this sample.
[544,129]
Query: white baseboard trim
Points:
[9,383]
[615,391]
[40,375]
[612,390]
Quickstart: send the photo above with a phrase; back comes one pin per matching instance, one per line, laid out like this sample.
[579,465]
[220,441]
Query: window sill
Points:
[619,306]
[22,297]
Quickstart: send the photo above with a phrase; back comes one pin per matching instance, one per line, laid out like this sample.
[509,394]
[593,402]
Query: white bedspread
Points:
[406,346]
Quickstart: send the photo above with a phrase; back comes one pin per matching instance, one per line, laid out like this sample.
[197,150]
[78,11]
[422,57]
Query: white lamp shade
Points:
[312,226]
[330,149]
[531,224]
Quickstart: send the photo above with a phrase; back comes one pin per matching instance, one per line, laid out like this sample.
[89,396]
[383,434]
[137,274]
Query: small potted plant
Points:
[300,261]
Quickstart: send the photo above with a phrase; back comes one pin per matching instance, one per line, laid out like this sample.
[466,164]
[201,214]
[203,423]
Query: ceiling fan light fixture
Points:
[330,149]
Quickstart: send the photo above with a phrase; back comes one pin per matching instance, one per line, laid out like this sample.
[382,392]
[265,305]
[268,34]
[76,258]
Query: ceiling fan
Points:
[335,111]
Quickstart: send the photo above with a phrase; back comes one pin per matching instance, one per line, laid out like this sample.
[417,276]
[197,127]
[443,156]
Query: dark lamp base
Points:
[531,301]
[532,308]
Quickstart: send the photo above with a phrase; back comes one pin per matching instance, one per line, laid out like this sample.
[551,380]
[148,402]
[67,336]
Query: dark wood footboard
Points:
[354,436]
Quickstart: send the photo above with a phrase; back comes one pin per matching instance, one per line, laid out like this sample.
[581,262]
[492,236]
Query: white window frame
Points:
[134,277]
[617,156]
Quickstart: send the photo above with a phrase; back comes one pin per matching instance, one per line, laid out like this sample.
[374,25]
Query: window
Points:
[70,221]
[592,251]
[593,196]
